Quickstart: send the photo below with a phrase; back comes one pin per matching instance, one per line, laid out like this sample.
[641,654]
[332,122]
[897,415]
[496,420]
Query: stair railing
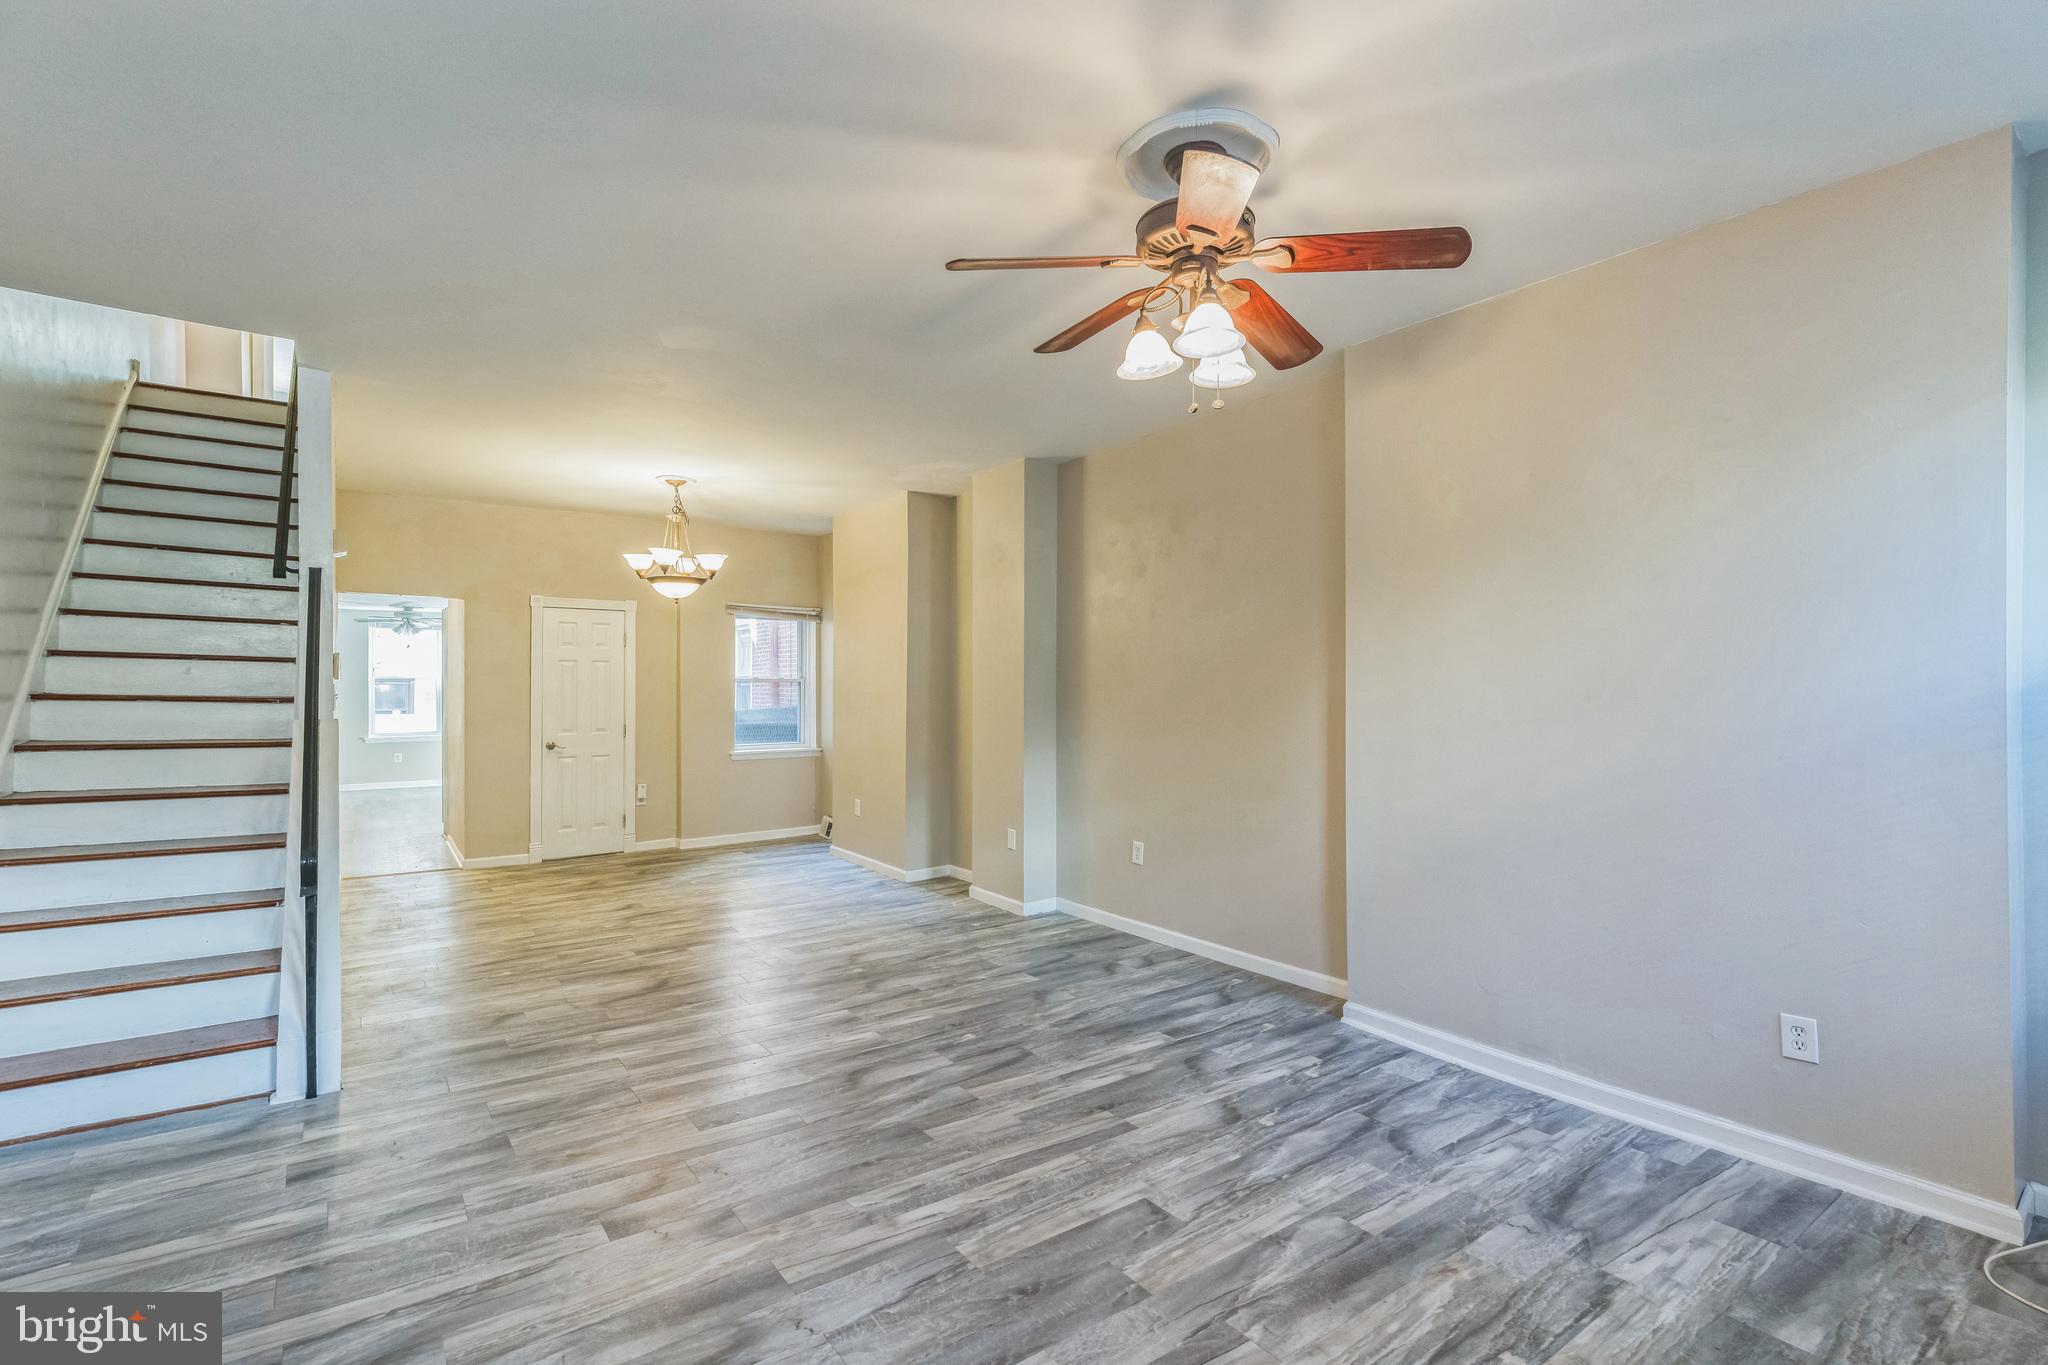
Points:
[287,472]
[309,821]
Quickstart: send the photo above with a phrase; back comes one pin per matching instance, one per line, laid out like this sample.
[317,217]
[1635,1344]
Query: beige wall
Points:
[1200,697]
[454,723]
[933,668]
[870,700]
[826,655]
[215,358]
[963,682]
[495,558]
[1676,604]
[1013,674]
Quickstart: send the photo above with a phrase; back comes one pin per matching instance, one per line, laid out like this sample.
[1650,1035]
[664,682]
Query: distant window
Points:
[405,683]
[773,706]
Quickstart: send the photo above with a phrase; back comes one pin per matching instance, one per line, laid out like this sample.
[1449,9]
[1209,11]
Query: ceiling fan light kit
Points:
[670,568]
[1202,166]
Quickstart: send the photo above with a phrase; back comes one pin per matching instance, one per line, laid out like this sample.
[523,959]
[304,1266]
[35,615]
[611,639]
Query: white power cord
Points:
[1995,1257]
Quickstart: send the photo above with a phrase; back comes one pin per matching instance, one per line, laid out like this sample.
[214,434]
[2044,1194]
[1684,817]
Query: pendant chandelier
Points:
[670,568]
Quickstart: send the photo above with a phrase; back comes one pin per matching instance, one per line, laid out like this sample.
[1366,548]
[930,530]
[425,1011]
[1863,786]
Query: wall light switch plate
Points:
[640,794]
[856,805]
[1013,838]
[1799,1038]
[1138,852]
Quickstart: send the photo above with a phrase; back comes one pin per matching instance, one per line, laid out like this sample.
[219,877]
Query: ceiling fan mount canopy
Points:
[1151,157]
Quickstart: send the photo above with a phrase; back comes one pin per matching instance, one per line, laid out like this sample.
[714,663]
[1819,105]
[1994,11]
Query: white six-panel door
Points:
[582,701]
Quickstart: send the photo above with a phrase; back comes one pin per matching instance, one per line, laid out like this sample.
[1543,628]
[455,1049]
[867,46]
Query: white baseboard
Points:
[500,860]
[1215,952]
[648,845]
[1856,1176]
[893,873]
[757,836]
[388,786]
[1030,909]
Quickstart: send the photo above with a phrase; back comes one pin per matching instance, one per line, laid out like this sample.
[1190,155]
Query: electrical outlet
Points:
[1138,852]
[1799,1038]
[856,805]
[1013,838]
[398,755]
[640,794]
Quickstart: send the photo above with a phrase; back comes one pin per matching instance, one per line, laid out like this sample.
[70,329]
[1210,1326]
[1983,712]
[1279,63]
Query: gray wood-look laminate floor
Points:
[763,1105]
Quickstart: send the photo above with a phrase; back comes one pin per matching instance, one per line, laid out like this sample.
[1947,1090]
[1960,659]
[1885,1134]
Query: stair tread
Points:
[140,848]
[208,416]
[147,654]
[129,1054]
[67,798]
[164,907]
[209,393]
[178,616]
[180,549]
[121,454]
[63,746]
[188,516]
[181,582]
[188,488]
[152,696]
[37,990]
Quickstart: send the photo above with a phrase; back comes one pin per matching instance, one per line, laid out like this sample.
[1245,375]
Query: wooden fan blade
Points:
[1095,322]
[1402,249]
[1214,189]
[1040,262]
[1273,331]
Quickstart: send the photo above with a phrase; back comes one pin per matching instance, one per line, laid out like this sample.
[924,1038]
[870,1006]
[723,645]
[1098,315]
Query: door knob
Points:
[551,744]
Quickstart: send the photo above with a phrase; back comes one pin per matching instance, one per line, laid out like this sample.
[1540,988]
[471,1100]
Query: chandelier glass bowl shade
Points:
[670,568]
[1147,356]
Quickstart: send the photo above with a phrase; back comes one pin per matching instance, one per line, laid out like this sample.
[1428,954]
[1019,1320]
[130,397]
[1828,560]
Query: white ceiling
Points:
[552,250]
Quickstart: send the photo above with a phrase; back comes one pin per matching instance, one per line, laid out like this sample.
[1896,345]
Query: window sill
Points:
[790,751]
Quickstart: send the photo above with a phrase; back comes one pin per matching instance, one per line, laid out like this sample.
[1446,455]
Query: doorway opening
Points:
[392,701]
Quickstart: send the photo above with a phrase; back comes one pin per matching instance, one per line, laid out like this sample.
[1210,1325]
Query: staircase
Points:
[142,846]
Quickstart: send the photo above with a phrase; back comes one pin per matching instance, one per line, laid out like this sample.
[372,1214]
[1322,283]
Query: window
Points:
[405,683]
[773,708]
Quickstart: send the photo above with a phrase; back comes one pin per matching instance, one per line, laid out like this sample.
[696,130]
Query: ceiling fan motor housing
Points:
[1161,242]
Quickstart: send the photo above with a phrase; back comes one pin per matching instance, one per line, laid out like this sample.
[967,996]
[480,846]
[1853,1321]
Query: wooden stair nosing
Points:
[119,454]
[103,1124]
[148,976]
[83,746]
[206,416]
[168,654]
[95,795]
[122,912]
[146,848]
[133,1054]
[187,488]
[191,516]
[151,654]
[210,393]
[158,696]
[178,616]
[181,582]
[182,549]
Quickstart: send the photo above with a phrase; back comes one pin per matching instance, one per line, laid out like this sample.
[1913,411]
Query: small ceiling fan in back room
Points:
[1202,166]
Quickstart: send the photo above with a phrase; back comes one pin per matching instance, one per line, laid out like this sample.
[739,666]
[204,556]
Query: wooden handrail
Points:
[287,471]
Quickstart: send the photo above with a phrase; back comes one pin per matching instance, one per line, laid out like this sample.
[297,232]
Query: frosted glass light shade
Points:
[1223,372]
[1147,356]
[712,563]
[1208,332]
[677,587]
[665,555]
[639,563]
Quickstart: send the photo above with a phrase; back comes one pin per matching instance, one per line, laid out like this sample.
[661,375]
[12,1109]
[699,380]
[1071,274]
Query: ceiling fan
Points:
[1202,166]
[406,619]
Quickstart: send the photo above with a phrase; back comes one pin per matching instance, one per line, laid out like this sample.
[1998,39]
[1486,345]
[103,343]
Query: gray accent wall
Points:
[1680,629]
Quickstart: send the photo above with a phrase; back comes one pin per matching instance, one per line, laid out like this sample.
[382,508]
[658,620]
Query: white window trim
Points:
[807,710]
